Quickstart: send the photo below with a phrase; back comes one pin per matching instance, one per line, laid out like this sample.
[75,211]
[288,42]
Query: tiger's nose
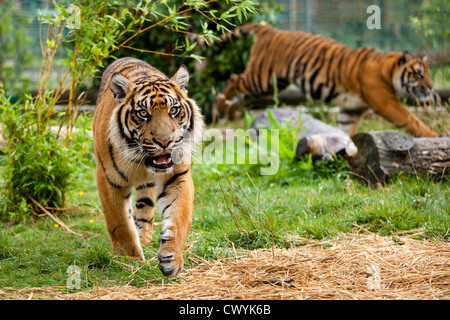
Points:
[162,143]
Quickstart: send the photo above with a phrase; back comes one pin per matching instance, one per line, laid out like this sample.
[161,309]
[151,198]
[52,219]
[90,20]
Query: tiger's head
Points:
[154,122]
[412,78]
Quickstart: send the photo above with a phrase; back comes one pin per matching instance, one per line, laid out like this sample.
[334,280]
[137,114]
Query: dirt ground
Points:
[354,267]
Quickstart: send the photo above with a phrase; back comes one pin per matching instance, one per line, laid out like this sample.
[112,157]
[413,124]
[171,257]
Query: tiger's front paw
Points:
[221,103]
[170,258]
[129,249]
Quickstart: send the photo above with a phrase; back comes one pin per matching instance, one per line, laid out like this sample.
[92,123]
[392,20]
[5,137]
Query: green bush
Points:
[36,164]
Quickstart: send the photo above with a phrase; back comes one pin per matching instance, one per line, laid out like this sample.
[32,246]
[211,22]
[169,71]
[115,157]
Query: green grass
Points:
[235,208]
[40,254]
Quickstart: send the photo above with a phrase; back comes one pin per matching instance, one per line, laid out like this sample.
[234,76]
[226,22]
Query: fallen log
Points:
[383,154]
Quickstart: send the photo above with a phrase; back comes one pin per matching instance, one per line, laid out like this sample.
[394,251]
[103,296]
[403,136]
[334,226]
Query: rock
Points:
[315,137]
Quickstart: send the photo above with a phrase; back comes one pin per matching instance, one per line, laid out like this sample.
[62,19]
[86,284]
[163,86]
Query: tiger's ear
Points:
[181,77]
[120,86]
[405,58]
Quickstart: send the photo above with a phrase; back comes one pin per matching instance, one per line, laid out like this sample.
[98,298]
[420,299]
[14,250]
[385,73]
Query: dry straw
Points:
[356,267]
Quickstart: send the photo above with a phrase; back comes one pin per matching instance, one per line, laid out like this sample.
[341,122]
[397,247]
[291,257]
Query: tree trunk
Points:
[383,154]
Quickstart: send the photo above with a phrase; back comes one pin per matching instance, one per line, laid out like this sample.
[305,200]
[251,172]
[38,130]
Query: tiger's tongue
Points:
[164,159]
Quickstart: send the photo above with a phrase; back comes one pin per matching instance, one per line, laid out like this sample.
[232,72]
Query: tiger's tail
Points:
[239,32]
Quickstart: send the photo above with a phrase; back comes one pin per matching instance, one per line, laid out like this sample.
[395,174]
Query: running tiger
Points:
[144,127]
[324,69]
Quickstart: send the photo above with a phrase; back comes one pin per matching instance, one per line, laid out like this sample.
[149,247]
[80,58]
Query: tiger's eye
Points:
[143,113]
[173,111]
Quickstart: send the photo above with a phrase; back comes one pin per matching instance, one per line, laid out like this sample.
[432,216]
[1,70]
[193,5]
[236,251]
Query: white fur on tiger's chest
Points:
[349,101]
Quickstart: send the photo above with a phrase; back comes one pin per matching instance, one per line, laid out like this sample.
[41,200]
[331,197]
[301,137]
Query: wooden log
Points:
[383,154]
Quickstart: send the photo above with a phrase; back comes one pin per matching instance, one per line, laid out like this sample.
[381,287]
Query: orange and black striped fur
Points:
[144,128]
[353,79]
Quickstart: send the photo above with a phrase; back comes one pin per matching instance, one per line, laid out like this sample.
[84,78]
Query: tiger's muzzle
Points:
[164,154]
[161,161]
[424,94]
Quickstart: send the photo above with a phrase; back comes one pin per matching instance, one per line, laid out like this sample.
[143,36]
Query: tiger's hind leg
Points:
[349,120]
[144,211]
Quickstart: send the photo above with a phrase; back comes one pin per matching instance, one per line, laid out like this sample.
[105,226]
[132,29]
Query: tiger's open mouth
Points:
[160,161]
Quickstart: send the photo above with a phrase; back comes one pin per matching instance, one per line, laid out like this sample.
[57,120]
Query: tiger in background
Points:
[323,69]
[144,127]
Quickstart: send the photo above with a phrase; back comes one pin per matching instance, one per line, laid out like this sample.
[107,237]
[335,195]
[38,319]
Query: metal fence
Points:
[20,50]
[411,25]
